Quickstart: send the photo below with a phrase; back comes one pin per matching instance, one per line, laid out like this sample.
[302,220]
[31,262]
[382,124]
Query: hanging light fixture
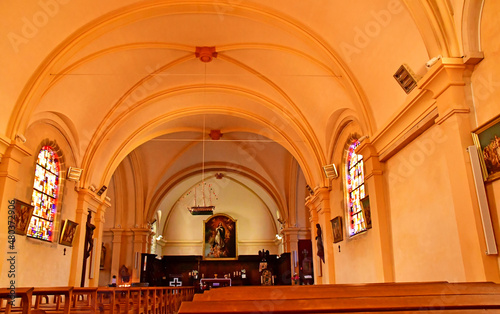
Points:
[203,209]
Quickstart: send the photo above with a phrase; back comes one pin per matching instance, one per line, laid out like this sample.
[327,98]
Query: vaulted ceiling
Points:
[285,76]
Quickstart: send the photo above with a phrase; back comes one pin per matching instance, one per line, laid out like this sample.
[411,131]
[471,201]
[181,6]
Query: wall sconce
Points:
[21,138]
[74,174]
[309,189]
[331,171]
[103,188]
[406,78]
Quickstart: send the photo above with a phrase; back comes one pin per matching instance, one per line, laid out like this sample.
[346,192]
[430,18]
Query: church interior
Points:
[166,141]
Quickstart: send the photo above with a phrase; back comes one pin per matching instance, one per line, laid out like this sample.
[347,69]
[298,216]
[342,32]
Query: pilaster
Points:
[447,85]
[291,245]
[140,246]
[319,208]
[87,201]
[98,234]
[116,251]
[11,154]
[379,212]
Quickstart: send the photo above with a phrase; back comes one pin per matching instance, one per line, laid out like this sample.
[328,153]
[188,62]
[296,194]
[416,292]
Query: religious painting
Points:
[23,212]
[220,238]
[338,234]
[365,207]
[68,233]
[487,140]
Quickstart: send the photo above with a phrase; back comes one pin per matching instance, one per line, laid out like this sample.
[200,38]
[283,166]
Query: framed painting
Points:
[367,213]
[487,140]
[23,216]
[338,234]
[68,233]
[219,238]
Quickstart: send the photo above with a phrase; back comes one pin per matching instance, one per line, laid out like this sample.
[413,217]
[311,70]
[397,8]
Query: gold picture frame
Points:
[220,241]
[68,233]
[338,232]
[487,141]
[23,211]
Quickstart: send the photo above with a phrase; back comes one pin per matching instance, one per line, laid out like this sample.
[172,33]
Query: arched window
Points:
[44,197]
[355,179]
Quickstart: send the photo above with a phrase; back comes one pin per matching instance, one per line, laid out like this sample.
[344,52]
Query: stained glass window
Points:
[44,197]
[355,180]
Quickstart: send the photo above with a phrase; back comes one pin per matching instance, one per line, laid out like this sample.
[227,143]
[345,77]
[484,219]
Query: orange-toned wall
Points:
[485,82]
[424,229]
[40,263]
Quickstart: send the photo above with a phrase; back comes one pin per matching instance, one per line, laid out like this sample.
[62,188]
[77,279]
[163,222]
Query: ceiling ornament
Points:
[206,54]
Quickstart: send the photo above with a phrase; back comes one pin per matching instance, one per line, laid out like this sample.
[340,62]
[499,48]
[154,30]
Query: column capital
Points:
[319,202]
[162,242]
[140,234]
[13,149]
[445,80]
[445,73]
[92,201]
[370,158]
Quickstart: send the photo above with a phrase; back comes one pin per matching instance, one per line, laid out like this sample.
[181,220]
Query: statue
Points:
[88,246]
[319,243]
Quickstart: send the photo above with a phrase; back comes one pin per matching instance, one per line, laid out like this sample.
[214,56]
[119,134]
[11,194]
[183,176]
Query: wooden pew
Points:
[25,294]
[84,300]
[335,305]
[403,298]
[327,291]
[57,293]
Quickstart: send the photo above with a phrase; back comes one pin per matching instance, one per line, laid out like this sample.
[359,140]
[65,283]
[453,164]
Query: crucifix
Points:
[88,245]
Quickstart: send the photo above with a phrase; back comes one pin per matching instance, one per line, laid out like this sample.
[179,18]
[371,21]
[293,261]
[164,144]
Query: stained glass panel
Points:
[355,180]
[44,197]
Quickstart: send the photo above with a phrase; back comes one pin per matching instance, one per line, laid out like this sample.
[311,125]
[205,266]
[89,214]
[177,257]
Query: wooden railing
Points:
[432,297]
[164,300]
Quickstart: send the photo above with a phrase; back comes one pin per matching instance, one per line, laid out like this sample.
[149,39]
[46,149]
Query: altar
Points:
[209,283]
[206,274]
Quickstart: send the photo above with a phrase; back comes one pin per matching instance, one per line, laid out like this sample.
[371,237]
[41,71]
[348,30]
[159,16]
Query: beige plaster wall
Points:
[349,267]
[424,229]
[256,229]
[486,93]
[40,263]
[486,76]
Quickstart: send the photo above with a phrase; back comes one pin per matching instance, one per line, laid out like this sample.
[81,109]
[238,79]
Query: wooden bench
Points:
[327,291]
[42,293]
[25,294]
[84,300]
[394,297]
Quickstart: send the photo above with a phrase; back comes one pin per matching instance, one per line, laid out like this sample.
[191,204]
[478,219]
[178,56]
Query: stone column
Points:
[98,233]
[11,154]
[291,245]
[87,201]
[116,252]
[380,214]
[446,82]
[319,208]
[140,246]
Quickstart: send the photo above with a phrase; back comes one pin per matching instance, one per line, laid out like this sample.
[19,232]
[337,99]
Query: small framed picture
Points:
[487,140]
[365,207]
[338,234]
[23,216]
[68,233]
